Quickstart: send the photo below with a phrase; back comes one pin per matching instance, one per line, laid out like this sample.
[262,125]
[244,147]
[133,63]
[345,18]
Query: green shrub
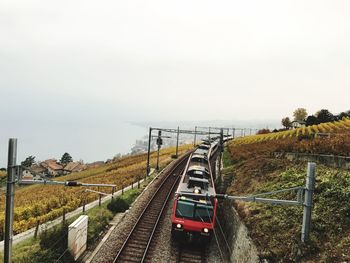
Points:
[97,224]
[118,205]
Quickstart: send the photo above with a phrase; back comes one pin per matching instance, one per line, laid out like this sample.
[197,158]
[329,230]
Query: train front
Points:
[193,218]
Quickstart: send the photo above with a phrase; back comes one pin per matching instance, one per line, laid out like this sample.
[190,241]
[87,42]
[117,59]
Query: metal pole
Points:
[195,135]
[177,141]
[233,133]
[10,194]
[221,148]
[309,191]
[159,142]
[158,158]
[149,151]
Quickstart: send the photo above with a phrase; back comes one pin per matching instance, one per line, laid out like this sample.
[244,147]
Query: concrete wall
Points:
[242,247]
[329,160]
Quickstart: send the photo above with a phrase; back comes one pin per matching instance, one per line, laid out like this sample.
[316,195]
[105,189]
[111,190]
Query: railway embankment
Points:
[236,243]
[276,229]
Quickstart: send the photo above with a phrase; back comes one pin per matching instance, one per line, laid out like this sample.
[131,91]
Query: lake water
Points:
[88,142]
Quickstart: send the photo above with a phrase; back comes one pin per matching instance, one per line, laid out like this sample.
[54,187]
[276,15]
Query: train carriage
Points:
[194,211]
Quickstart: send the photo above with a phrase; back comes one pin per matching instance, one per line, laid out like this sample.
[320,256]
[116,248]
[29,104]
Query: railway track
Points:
[138,243]
[191,254]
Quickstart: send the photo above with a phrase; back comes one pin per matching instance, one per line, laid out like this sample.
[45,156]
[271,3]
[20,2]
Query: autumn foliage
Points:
[44,203]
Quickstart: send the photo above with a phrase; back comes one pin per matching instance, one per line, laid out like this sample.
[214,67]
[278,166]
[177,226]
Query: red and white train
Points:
[194,209]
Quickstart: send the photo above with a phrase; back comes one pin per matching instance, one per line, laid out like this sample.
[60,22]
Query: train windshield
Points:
[194,211]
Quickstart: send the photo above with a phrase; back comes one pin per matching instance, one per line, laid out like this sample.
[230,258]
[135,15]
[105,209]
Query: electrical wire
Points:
[227,245]
[215,235]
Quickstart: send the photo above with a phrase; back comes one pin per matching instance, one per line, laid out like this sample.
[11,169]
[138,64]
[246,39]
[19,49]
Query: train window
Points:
[184,209]
[203,213]
[194,211]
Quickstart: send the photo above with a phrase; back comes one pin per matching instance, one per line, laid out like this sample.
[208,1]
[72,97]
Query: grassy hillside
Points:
[43,203]
[276,229]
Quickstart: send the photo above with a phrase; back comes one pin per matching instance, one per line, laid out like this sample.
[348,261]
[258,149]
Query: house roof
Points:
[74,167]
[52,164]
[37,168]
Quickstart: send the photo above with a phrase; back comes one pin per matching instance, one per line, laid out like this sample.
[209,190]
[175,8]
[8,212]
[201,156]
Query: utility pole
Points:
[177,141]
[221,149]
[10,194]
[159,143]
[149,151]
[309,192]
[195,135]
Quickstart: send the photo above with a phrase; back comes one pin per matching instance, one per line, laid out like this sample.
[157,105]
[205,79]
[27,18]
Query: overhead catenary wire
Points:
[216,238]
[223,234]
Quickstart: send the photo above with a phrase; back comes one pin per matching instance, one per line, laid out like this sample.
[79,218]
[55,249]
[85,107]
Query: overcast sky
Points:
[65,63]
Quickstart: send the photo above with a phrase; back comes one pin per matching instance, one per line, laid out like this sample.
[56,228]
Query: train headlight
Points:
[196,191]
[206,230]
[178,226]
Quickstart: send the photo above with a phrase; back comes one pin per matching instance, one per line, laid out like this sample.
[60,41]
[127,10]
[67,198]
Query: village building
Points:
[298,124]
[53,167]
[74,167]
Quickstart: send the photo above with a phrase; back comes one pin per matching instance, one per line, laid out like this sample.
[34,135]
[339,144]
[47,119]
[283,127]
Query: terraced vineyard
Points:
[44,203]
[329,127]
[276,229]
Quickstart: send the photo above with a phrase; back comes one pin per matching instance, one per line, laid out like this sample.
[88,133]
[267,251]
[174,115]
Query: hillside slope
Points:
[44,203]
[337,127]
[276,229]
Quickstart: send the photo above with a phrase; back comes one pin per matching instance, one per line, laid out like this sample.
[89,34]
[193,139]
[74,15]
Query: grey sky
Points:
[66,63]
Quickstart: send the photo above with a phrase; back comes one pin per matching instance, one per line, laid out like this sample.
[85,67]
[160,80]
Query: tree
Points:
[286,122]
[311,120]
[324,116]
[300,114]
[29,161]
[343,115]
[66,158]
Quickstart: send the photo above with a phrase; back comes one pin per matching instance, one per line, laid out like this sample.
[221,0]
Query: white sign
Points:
[77,236]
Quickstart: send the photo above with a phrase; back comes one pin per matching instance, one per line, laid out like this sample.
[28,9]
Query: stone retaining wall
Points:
[329,160]
[241,247]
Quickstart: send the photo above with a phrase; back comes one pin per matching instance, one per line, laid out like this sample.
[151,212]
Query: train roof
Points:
[204,146]
[201,151]
[196,178]
[200,156]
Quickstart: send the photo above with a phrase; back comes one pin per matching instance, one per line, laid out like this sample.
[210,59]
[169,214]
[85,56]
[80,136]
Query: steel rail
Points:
[158,219]
[170,171]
